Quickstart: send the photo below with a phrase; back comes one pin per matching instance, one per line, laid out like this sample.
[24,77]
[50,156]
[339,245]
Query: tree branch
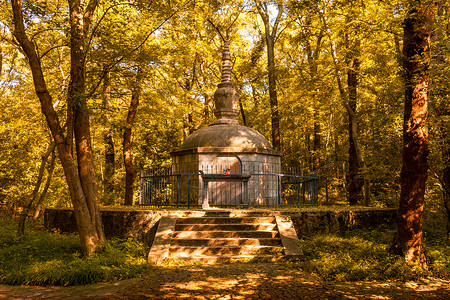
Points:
[111,65]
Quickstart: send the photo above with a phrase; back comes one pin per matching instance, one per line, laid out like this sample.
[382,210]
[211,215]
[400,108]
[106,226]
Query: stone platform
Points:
[142,224]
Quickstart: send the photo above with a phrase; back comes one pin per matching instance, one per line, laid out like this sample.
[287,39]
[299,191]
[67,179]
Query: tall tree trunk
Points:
[349,103]
[241,108]
[276,140]
[316,140]
[270,36]
[416,51]
[446,181]
[127,153]
[354,185]
[308,149]
[208,101]
[109,169]
[79,25]
[313,57]
[1,58]
[442,103]
[31,201]
[45,189]
[86,212]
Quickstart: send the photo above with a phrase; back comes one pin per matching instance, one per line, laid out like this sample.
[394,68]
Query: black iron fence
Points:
[160,187]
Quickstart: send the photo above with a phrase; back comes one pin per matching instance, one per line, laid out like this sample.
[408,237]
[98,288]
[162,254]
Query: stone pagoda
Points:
[227,148]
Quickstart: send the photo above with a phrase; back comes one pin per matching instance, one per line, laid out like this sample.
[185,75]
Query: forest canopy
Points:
[332,66]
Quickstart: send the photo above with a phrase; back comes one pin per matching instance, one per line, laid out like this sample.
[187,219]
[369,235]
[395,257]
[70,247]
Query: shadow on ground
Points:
[267,281]
[279,280]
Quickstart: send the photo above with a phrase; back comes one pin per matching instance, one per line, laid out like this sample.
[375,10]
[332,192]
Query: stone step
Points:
[227,258]
[224,234]
[225,220]
[224,250]
[227,242]
[225,227]
[211,236]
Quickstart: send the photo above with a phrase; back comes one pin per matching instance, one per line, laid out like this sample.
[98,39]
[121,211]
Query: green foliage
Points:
[181,63]
[42,258]
[363,255]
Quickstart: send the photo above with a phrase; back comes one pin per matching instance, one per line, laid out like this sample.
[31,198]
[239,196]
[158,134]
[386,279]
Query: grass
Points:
[42,258]
[363,255]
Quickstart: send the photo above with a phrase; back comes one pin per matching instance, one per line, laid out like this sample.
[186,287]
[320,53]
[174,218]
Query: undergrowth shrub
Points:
[363,255]
[42,258]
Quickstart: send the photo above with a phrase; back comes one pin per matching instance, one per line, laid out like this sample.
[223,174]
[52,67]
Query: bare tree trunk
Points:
[446,180]
[127,134]
[47,185]
[241,108]
[313,57]
[109,169]
[354,185]
[316,141]
[270,36]
[349,103]
[79,25]
[308,149]
[443,106]
[30,202]
[276,139]
[208,101]
[416,50]
[85,209]
[1,58]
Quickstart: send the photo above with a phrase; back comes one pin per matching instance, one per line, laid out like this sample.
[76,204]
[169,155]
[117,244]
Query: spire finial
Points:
[226,98]
[226,63]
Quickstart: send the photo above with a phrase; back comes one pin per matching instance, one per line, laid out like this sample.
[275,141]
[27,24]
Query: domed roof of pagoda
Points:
[226,136]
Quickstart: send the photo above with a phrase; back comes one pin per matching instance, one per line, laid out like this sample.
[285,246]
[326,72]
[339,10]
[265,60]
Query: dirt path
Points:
[234,281]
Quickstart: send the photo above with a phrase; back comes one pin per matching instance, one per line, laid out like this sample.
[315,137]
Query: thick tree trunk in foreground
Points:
[127,154]
[416,51]
[79,25]
[80,181]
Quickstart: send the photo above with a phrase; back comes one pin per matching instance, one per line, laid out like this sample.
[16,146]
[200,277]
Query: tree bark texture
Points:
[270,36]
[446,181]
[34,195]
[313,57]
[127,134]
[79,24]
[349,103]
[109,170]
[86,212]
[354,185]
[38,204]
[416,51]
[1,59]
[109,151]
[443,107]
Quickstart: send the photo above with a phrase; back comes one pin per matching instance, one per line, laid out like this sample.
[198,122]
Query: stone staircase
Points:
[211,236]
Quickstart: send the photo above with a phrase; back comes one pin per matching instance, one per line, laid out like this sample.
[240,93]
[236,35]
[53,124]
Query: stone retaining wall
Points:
[308,223]
[141,224]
